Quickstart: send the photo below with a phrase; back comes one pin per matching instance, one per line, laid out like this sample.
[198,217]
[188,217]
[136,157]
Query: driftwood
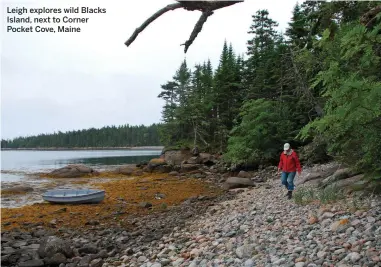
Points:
[206,7]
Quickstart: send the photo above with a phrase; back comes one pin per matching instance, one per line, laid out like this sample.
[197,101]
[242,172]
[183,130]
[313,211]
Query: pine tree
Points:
[168,93]
[228,93]
[260,78]
[298,31]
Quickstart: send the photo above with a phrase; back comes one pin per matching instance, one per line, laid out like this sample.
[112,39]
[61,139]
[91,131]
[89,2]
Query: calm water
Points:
[16,164]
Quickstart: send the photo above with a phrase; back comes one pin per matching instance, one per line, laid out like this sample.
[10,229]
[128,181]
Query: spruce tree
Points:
[260,79]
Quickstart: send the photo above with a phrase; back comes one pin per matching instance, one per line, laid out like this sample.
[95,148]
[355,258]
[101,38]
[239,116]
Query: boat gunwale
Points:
[74,196]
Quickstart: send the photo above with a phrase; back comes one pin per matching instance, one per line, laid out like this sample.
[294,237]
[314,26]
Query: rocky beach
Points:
[184,210]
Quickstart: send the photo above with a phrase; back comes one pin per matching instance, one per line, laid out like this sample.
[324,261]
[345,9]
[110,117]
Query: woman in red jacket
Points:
[289,164]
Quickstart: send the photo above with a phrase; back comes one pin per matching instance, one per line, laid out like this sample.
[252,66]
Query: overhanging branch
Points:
[206,7]
[150,20]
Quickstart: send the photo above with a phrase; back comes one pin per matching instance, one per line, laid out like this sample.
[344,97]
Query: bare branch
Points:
[150,20]
[206,7]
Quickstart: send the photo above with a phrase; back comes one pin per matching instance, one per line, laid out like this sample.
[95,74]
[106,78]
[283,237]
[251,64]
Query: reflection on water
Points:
[102,161]
[16,165]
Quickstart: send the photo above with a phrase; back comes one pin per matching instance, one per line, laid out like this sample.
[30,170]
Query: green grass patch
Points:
[304,195]
[330,194]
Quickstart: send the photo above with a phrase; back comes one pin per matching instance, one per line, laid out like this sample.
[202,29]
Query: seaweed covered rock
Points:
[158,165]
[73,171]
[129,170]
[237,182]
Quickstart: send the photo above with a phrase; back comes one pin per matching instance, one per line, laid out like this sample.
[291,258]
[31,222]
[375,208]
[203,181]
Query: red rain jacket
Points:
[289,163]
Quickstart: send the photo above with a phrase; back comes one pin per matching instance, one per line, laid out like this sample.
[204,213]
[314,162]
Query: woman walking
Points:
[289,164]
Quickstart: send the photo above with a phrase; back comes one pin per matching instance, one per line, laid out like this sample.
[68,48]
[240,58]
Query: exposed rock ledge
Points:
[73,171]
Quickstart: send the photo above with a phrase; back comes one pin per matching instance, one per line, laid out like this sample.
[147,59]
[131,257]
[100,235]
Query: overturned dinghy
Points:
[74,196]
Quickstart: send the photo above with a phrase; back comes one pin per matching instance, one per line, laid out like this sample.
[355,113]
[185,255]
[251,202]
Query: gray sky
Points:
[67,81]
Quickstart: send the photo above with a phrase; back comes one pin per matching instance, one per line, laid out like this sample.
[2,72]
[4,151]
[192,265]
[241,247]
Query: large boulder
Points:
[237,182]
[176,157]
[163,169]
[193,160]
[185,167]
[51,245]
[317,174]
[207,159]
[201,158]
[125,170]
[73,171]
[348,183]
[243,174]
[157,165]
[340,174]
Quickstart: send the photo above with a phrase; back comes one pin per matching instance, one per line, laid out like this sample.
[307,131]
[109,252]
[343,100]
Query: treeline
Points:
[121,136]
[318,85]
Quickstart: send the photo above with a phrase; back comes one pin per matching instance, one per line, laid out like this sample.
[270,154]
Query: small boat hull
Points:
[74,196]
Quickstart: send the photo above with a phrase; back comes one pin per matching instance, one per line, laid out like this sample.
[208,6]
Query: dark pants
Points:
[287,179]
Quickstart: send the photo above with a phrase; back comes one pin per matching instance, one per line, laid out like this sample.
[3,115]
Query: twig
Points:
[150,20]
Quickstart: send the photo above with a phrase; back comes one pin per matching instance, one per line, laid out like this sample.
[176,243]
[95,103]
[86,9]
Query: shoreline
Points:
[83,148]
[124,193]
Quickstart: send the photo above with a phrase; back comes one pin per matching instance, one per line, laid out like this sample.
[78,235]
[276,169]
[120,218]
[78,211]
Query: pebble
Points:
[298,249]
[249,263]
[142,259]
[178,262]
[354,257]
[280,261]
[321,254]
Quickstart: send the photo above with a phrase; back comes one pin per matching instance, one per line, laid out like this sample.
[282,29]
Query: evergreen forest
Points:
[121,136]
[316,86]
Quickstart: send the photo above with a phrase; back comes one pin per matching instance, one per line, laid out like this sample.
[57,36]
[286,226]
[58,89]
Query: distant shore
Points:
[87,148]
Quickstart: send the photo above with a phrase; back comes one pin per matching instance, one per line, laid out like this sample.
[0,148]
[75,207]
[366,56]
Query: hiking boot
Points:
[289,194]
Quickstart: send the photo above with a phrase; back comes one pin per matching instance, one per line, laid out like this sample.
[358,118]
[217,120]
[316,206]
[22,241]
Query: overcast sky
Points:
[67,81]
